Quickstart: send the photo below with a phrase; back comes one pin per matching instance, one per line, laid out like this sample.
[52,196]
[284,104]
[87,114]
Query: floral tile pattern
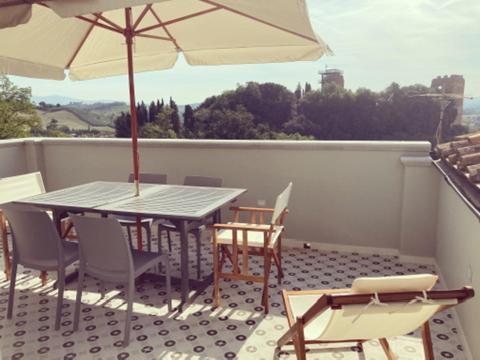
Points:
[236,330]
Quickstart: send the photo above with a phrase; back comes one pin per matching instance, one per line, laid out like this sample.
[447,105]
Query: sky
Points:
[375,43]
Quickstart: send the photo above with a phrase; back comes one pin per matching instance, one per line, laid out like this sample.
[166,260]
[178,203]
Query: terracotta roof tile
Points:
[462,155]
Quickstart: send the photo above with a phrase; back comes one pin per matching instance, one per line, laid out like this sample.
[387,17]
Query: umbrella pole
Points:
[133,115]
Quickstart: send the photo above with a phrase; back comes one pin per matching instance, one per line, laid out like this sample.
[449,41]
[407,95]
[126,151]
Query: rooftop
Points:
[367,209]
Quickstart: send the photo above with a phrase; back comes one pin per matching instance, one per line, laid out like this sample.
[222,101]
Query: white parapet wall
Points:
[359,193]
[458,256]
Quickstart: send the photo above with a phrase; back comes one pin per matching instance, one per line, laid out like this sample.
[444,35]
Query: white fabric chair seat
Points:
[370,321]
[254,238]
[300,304]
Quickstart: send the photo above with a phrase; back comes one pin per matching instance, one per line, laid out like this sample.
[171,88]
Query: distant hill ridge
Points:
[82,114]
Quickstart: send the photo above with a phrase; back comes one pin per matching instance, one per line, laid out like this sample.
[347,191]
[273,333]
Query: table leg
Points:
[185,288]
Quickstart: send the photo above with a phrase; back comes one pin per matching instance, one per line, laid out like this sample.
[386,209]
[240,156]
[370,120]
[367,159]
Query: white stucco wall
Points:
[458,256]
[12,158]
[345,193]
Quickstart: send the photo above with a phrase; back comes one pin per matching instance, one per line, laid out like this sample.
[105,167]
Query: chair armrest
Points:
[247,227]
[251,209]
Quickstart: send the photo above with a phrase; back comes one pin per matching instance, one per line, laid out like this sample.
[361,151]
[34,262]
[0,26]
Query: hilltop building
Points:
[332,76]
[453,84]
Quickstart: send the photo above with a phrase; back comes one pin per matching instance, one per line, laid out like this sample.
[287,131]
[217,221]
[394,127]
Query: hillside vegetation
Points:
[79,116]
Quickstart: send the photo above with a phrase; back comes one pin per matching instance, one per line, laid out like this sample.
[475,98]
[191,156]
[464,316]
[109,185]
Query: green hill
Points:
[80,116]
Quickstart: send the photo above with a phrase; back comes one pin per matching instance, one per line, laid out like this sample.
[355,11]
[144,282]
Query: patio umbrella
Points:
[99,38]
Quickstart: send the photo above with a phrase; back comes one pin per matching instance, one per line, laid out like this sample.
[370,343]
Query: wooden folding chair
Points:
[374,308]
[236,240]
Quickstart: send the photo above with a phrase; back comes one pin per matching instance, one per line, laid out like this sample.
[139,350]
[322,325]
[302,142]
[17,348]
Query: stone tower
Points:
[332,76]
[453,84]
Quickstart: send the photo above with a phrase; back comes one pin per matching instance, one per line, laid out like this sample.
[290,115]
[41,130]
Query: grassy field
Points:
[82,117]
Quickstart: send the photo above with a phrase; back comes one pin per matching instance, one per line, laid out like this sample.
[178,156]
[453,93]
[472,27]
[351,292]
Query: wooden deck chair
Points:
[236,240]
[374,308]
[20,187]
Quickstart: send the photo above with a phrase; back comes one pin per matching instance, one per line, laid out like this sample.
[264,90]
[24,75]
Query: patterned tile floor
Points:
[236,330]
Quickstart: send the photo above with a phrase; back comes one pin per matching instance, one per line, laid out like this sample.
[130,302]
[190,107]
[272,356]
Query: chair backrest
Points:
[150,178]
[104,250]
[361,317]
[281,204]
[202,181]
[21,186]
[35,239]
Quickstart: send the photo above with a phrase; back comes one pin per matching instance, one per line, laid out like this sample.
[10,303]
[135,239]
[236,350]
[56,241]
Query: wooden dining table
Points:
[186,207]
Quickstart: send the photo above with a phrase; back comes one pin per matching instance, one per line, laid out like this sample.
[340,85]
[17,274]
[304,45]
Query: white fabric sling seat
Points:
[255,238]
[374,308]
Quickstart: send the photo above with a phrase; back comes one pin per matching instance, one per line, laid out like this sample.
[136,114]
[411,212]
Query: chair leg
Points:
[216,277]
[169,241]
[128,319]
[11,293]
[149,237]
[61,287]
[386,348]
[266,275]
[279,255]
[102,289]
[279,267]
[43,277]
[427,341]
[129,232]
[78,299]
[168,281]
[6,252]
[198,238]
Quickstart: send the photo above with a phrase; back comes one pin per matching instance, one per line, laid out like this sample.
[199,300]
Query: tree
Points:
[298,92]
[123,125]
[226,124]
[162,127]
[152,111]
[308,88]
[18,117]
[188,121]
[175,118]
[52,124]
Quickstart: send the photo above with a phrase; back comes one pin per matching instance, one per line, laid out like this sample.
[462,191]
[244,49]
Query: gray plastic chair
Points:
[167,226]
[106,255]
[129,221]
[37,245]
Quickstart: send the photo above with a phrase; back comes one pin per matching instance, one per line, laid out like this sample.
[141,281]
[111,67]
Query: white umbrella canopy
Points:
[87,37]
[99,38]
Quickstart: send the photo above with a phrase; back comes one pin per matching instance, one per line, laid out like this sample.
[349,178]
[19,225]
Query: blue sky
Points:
[375,42]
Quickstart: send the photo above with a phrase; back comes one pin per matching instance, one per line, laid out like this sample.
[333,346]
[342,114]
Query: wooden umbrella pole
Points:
[133,115]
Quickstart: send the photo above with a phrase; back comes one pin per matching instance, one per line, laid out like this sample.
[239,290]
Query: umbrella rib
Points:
[109,22]
[169,22]
[210,2]
[83,18]
[142,15]
[169,34]
[77,50]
